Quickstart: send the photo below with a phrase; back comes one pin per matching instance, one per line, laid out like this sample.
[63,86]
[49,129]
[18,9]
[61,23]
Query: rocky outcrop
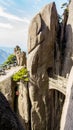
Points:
[24,105]
[20,55]
[7,88]
[38,105]
[69,43]
[8,119]
[22,59]
[17,95]
[67,114]
[7,85]
[40,63]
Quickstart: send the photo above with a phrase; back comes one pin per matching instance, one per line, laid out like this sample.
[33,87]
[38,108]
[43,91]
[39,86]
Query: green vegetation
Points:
[10,60]
[60,18]
[21,75]
[64,5]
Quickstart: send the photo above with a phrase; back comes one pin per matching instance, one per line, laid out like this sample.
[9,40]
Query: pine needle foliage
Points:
[22,74]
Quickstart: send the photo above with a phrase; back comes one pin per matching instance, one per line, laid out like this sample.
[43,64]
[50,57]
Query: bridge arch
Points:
[58,83]
[63,91]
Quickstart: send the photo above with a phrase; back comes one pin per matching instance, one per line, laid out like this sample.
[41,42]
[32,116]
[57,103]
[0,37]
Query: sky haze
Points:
[15,17]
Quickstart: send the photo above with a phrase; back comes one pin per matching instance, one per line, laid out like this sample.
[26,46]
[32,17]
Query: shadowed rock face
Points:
[67,114]
[8,119]
[68,61]
[41,40]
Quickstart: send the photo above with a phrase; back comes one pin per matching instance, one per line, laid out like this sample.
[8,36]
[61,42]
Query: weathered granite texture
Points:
[23,104]
[68,61]
[67,114]
[17,96]
[41,41]
[7,88]
[20,56]
[50,52]
[8,119]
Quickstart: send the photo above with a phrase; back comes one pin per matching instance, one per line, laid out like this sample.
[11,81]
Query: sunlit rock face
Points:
[20,56]
[23,104]
[38,106]
[7,88]
[41,40]
[67,114]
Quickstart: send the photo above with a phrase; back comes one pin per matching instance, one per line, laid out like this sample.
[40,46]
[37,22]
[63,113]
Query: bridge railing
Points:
[59,83]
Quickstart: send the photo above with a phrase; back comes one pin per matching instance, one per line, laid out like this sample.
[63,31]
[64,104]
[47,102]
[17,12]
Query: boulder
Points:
[7,88]
[41,41]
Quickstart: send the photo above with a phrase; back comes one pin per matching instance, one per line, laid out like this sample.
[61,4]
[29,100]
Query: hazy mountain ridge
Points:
[4,53]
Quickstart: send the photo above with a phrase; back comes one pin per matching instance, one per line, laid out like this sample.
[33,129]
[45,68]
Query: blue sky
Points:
[15,17]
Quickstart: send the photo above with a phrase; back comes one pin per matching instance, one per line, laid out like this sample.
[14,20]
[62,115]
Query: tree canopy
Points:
[22,74]
[10,60]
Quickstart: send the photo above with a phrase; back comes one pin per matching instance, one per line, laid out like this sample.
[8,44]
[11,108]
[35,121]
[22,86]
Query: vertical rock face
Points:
[21,56]
[7,88]
[8,119]
[41,41]
[67,114]
[23,104]
[17,52]
[69,42]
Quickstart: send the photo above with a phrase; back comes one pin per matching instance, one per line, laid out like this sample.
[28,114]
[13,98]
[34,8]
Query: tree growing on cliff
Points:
[10,60]
[21,75]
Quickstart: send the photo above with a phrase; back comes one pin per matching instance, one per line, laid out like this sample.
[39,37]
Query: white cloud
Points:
[13,29]
[4,3]
[14,37]
[6,25]
[7,2]
[12,17]
[1,9]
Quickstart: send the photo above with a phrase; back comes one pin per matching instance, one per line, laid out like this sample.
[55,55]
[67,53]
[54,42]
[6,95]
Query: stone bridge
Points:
[59,83]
